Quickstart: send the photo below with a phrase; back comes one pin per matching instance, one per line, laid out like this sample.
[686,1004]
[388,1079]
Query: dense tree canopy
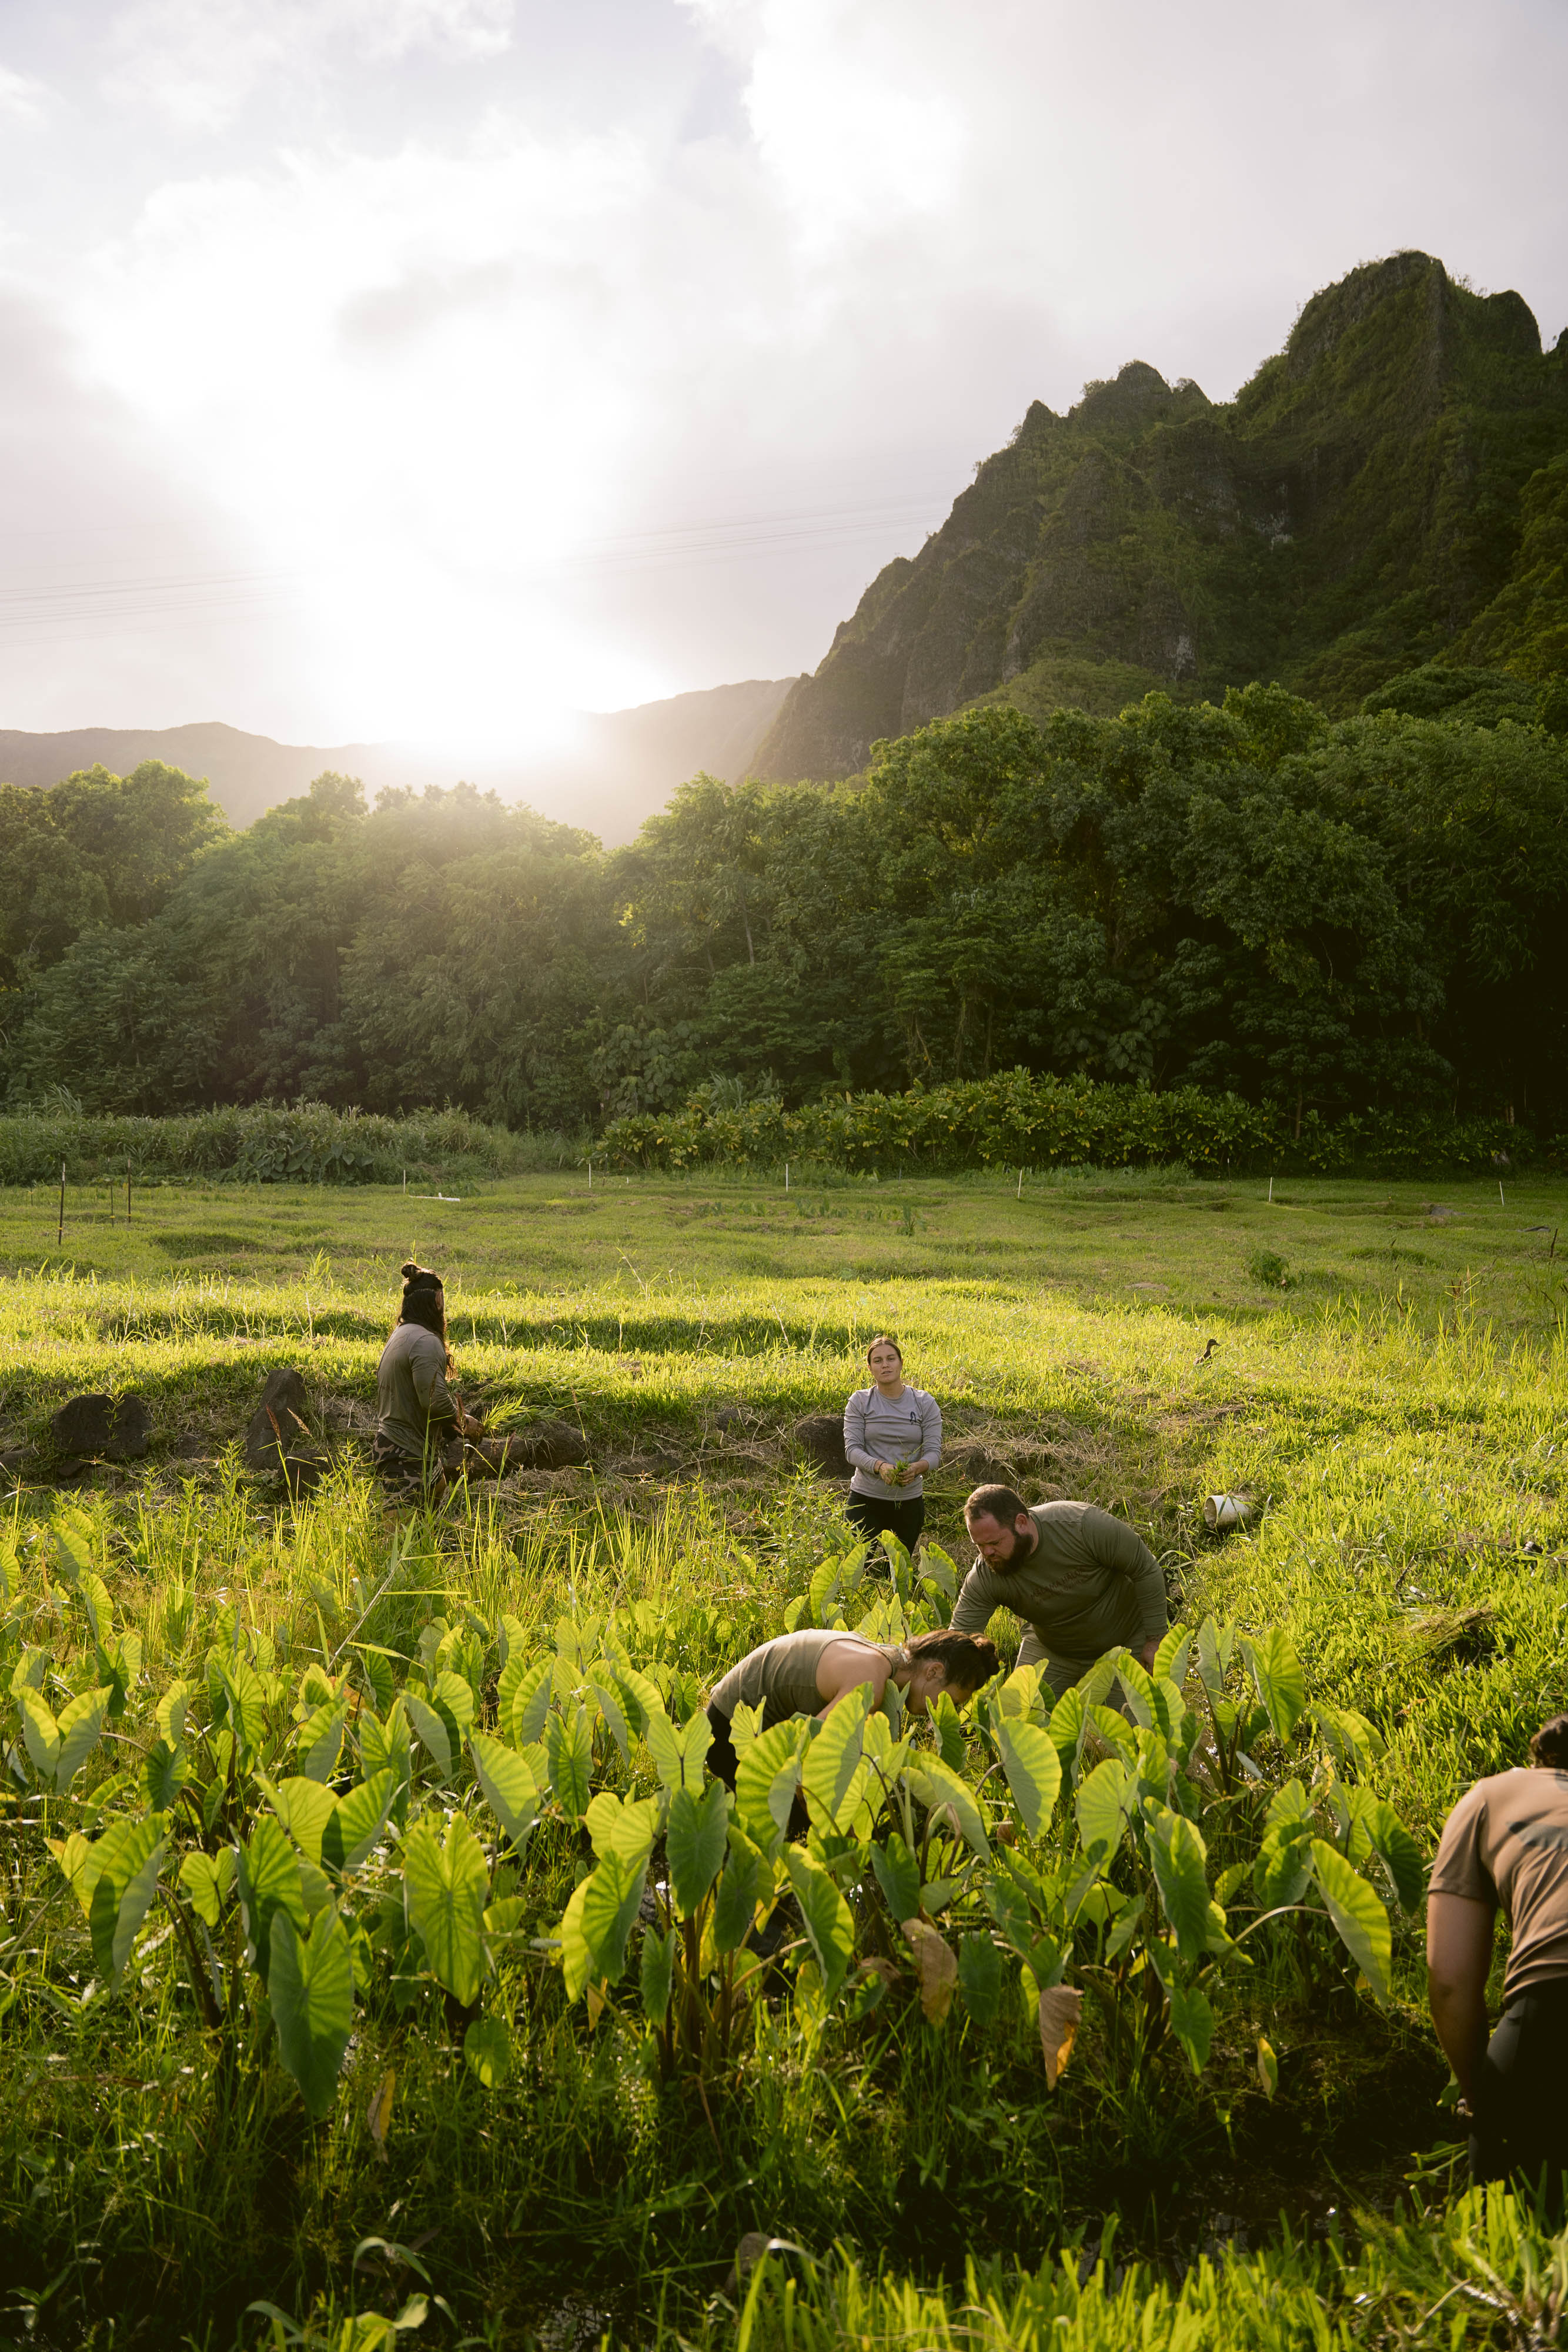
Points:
[1323,915]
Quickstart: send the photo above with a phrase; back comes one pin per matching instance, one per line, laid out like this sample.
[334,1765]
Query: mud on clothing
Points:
[909,1429]
[416,1410]
[1090,1585]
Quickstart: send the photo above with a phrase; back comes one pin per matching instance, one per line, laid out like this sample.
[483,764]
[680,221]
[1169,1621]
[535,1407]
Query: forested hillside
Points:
[1325,916]
[1389,491]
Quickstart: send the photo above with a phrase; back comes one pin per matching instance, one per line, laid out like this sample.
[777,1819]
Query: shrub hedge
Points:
[1016,1120]
[301,1143]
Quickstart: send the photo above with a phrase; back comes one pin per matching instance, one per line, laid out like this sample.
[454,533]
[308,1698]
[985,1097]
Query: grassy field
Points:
[1387,1384]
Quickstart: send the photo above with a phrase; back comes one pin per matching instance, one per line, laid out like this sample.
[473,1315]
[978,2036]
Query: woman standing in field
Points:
[420,1425]
[1505,1847]
[892,1437]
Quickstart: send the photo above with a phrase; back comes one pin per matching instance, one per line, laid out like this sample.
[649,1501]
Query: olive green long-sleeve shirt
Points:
[1090,1585]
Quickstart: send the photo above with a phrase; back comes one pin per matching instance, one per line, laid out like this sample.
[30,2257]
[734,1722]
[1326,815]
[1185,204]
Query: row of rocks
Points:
[279,1441]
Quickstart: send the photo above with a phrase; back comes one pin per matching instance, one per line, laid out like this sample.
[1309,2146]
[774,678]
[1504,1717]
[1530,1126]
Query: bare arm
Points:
[1459,1961]
[844,1667]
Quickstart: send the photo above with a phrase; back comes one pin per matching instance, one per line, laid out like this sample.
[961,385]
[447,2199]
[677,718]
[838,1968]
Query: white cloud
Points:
[198,62]
[588,372]
[21,97]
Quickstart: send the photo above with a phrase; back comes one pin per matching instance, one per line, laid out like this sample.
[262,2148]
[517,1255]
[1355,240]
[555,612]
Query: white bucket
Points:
[1227,1511]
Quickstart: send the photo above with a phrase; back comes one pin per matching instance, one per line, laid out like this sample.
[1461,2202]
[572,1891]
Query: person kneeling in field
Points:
[1081,1581]
[808,1673]
[418,1447]
[1505,1847]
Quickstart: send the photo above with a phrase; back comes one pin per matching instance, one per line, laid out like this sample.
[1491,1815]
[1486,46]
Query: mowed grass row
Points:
[1402,1450]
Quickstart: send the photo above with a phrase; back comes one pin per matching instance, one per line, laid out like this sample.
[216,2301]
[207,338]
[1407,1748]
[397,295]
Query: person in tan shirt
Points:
[1505,1848]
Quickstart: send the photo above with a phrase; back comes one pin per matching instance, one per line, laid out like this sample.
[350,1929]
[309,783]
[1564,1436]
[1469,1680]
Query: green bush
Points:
[266,1143]
[1018,1121]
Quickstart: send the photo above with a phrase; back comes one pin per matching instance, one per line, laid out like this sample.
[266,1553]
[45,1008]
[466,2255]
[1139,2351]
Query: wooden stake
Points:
[61,1234]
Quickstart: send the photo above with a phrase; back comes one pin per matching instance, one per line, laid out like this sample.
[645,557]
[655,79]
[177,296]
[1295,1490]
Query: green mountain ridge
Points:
[1388,491]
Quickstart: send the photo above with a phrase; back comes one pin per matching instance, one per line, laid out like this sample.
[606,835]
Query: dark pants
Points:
[870,1515]
[1520,2095]
[722,1759]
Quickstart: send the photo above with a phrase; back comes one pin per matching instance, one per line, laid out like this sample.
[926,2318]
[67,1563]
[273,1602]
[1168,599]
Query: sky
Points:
[425,370]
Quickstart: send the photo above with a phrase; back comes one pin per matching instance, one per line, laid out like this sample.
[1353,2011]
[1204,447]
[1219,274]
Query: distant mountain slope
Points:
[1354,513]
[247,773]
[624,766]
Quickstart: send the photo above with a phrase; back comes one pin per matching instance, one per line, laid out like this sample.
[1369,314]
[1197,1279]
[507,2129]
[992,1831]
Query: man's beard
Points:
[1017,1558]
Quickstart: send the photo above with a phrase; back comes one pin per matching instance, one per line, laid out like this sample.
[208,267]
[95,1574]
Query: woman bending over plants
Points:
[892,1437]
[418,1448]
[808,1673]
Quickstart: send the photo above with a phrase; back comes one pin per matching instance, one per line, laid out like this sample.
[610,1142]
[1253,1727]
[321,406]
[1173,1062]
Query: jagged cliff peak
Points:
[1348,517]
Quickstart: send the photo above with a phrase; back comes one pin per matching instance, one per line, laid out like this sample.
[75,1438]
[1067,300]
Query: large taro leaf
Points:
[60,1749]
[1180,1862]
[657,1972]
[1284,1865]
[1137,1688]
[612,1896]
[269,1881]
[1173,1655]
[1192,2022]
[206,1880]
[897,1873]
[1357,1912]
[833,1757]
[766,1780]
[444,1888]
[125,1862]
[1102,1805]
[527,1704]
[510,1789]
[935,1785]
[1276,1670]
[679,1750]
[305,1808]
[1033,1767]
[744,1884]
[829,1929]
[311,1990]
[357,1821]
[1215,1645]
[695,1839]
[569,1746]
[320,1739]
[1400,1852]
[980,1978]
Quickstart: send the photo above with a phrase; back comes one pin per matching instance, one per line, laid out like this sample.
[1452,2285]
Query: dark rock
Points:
[546,1445]
[820,1437]
[115,1430]
[284,1389]
[303,1469]
[277,1428]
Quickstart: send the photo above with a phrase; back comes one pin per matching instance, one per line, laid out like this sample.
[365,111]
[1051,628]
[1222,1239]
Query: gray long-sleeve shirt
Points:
[907,1430]
[1090,1585]
[415,1407]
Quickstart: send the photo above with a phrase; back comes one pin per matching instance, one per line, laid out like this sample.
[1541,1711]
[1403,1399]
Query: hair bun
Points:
[409,1269]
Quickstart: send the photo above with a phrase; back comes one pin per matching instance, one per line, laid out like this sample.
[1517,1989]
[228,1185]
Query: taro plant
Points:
[364,1831]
